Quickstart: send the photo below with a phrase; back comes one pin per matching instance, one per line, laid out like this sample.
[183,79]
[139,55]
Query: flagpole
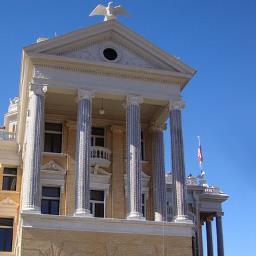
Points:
[199,148]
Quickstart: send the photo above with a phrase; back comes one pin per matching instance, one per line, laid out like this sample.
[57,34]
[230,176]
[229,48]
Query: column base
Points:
[159,217]
[135,216]
[82,213]
[182,219]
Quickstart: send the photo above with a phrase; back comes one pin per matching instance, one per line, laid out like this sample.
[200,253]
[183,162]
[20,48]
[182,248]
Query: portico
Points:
[99,122]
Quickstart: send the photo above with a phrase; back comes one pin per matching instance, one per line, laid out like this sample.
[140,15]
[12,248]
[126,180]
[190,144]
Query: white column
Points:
[133,141]
[159,186]
[209,236]
[178,166]
[34,134]
[220,243]
[83,151]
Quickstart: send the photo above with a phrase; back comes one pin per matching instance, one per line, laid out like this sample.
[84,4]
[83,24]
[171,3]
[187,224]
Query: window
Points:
[50,200]
[98,137]
[142,146]
[53,138]
[97,203]
[143,204]
[110,54]
[6,233]
[9,179]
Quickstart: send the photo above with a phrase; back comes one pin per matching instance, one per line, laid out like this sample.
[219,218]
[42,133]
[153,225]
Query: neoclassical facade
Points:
[83,150]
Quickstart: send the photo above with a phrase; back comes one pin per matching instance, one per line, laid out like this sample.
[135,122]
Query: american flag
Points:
[199,152]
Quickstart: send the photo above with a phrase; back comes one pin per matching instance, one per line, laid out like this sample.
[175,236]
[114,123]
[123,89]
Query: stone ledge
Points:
[40,221]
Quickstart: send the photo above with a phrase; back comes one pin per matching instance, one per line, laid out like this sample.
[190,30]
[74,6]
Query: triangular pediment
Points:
[132,50]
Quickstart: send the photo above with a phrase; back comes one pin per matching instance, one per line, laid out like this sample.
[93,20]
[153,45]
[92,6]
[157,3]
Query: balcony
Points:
[7,136]
[100,156]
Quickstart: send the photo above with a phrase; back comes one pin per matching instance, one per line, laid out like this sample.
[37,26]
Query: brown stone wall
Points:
[74,243]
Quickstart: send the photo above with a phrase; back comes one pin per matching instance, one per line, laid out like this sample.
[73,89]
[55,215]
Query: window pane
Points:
[90,208]
[45,206]
[52,142]
[9,183]
[54,207]
[7,222]
[50,192]
[53,127]
[143,198]
[97,195]
[6,234]
[143,210]
[12,171]
[99,142]
[98,131]
[99,210]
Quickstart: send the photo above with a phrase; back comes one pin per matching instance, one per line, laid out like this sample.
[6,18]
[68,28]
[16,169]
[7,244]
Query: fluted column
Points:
[34,135]
[178,166]
[158,173]
[133,141]
[200,238]
[209,237]
[219,231]
[83,146]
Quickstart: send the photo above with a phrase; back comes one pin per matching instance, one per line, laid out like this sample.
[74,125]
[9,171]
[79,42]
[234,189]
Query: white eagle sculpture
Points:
[109,12]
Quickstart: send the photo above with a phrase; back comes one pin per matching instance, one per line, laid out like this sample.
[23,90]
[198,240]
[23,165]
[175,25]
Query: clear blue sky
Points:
[218,39]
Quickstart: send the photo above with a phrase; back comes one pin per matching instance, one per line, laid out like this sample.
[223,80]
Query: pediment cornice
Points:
[111,30]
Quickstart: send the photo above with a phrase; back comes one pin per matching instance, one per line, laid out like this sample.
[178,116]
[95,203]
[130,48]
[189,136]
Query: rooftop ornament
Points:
[109,12]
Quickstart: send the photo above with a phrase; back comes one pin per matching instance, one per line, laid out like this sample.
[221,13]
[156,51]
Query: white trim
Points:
[106,225]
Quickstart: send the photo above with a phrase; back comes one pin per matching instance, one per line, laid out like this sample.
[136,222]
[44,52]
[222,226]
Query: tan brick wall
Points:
[14,196]
[74,243]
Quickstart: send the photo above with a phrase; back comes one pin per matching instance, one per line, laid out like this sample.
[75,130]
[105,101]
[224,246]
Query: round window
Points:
[110,54]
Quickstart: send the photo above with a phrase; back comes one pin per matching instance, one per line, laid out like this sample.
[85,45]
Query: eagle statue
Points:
[109,12]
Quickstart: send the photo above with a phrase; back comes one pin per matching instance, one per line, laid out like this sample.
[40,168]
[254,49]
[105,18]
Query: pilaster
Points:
[118,197]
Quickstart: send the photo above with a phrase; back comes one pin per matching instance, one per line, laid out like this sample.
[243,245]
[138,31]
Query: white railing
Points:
[4,135]
[100,156]
[213,190]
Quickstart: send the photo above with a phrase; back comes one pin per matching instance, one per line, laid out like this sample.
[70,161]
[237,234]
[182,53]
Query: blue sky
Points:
[218,39]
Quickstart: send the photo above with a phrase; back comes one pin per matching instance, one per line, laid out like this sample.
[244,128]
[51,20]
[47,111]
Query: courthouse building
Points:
[82,155]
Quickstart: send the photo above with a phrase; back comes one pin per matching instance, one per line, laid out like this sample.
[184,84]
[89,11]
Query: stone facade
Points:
[73,243]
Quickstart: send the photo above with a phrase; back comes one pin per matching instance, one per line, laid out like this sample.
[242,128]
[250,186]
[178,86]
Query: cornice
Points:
[109,69]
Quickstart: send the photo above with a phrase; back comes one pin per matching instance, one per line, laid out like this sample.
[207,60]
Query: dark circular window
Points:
[110,54]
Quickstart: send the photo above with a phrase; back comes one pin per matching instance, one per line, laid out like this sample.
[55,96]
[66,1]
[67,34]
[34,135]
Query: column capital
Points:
[117,129]
[37,89]
[134,99]
[85,94]
[179,105]
[158,127]
[219,214]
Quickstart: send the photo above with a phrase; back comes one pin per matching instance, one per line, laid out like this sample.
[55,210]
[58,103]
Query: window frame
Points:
[144,204]
[50,198]
[10,175]
[12,232]
[142,145]
[54,132]
[94,137]
[93,202]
